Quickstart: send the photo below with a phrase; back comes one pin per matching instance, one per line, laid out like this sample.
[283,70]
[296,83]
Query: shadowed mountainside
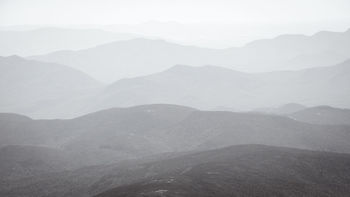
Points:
[242,170]
[126,133]
[246,170]
[27,161]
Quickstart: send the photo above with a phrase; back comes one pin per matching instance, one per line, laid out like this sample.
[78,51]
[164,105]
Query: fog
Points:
[174,98]
[209,23]
[136,11]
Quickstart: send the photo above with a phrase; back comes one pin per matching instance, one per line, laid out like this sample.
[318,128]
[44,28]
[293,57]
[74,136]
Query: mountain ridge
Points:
[232,171]
[269,54]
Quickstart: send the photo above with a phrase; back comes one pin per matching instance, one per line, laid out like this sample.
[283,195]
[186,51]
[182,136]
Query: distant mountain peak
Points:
[12,57]
[138,40]
[141,39]
[185,68]
[293,105]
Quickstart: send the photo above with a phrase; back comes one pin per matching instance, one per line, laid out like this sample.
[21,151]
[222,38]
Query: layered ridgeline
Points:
[136,57]
[246,170]
[50,39]
[170,149]
[42,89]
[47,90]
[283,109]
[125,133]
[210,87]
[242,170]
[323,115]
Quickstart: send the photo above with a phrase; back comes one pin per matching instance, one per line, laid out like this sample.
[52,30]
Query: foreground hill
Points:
[27,161]
[36,88]
[246,170]
[243,170]
[137,57]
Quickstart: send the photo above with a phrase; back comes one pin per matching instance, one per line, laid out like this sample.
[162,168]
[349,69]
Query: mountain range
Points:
[131,58]
[50,90]
[125,133]
[50,39]
[42,89]
[210,87]
[242,170]
[95,113]
[323,115]
[246,170]
[283,109]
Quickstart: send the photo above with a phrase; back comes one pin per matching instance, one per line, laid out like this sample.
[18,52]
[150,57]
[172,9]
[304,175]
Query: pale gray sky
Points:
[208,23]
[19,12]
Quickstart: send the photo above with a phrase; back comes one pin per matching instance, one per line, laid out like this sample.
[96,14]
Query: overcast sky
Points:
[208,23]
[19,12]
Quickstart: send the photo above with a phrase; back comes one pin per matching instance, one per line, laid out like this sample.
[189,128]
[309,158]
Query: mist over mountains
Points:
[44,92]
[130,58]
[37,88]
[131,137]
[124,133]
[88,112]
[206,87]
[50,39]
[323,115]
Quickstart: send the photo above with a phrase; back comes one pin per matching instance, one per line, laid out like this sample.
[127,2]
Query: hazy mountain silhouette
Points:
[49,39]
[283,109]
[209,87]
[298,51]
[100,137]
[203,87]
[175,128]
[126,133]
[136,57]
[323,115]
[147,109]
[129,58]
[48,90]
[203,130]
[41,89]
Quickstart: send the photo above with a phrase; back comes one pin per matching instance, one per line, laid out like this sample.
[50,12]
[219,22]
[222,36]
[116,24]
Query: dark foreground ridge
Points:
[244,170]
